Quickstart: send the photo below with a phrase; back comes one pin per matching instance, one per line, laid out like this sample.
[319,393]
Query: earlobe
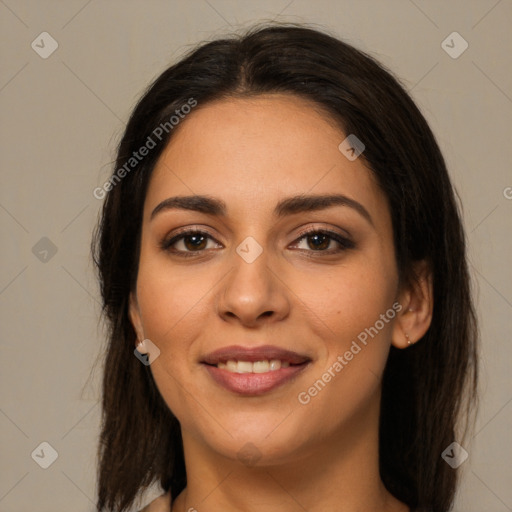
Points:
[417,306]
[135,318]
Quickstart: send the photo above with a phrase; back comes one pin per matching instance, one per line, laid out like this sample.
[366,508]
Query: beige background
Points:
[61,118]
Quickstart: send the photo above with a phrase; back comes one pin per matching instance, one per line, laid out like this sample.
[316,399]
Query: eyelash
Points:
[344,242]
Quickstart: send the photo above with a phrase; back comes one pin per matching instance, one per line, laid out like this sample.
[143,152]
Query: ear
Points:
[417,301]
[135,318]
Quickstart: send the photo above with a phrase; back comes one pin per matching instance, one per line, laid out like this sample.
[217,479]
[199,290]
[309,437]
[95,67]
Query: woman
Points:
[281,249]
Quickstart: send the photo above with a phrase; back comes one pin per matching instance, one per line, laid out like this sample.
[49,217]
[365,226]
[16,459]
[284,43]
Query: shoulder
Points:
[160,504]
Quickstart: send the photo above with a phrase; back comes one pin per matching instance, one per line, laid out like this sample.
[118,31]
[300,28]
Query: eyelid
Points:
[328,230]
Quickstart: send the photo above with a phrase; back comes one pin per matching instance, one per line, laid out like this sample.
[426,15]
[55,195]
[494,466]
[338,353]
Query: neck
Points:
[341,473]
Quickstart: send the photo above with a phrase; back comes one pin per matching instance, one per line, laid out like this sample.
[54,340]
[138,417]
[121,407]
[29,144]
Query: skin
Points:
[322,455]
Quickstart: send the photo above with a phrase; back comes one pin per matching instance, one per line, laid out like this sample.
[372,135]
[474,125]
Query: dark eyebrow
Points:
[288,206]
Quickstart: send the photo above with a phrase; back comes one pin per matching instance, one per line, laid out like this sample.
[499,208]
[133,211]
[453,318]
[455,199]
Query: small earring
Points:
[407,338]
[141,347]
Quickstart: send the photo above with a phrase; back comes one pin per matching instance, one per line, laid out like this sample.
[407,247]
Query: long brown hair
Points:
[427,390]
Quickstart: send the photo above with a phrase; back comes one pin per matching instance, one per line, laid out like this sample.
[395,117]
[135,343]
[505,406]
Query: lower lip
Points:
[253,384]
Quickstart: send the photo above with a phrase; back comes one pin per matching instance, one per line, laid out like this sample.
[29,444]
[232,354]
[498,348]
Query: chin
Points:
[258,439]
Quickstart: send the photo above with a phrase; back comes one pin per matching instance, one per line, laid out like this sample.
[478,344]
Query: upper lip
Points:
[252,354]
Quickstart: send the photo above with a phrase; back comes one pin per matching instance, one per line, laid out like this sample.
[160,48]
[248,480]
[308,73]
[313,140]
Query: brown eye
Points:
[194,242]
[187,242]
[320,241]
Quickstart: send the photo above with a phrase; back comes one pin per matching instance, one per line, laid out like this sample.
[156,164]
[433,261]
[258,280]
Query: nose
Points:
[253,293]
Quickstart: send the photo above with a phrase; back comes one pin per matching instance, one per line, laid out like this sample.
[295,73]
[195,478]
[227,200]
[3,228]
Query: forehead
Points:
[254,151]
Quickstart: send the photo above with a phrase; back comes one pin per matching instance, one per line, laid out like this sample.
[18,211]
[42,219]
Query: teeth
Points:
[244,367]
[263,366]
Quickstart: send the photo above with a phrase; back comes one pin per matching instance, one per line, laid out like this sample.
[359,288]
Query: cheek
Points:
[173,303]
[345,387]
[168,319]
[356,337]
[170,300]
[348,300]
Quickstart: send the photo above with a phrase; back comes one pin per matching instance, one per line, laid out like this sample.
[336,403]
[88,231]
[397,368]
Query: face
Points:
[273,316]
